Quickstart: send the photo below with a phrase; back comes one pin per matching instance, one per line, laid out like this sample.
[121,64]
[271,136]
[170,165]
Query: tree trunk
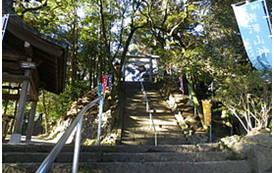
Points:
[91,73]
[46,112]
[74,46]
[123,57]
[195,99]
[105,48]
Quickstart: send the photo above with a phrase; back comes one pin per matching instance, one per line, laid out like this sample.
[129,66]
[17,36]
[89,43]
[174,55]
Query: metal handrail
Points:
[150,113]
[44,167]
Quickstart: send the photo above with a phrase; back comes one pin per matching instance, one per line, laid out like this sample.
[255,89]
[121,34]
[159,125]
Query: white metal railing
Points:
[77,123]
[148,109]
[5,19]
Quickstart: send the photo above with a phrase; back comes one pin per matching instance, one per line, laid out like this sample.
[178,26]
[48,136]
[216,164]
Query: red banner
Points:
[105,83]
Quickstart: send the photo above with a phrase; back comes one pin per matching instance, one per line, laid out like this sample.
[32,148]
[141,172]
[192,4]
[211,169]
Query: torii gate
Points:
[144,63]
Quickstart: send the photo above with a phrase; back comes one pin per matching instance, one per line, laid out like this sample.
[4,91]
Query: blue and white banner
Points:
[256,33]
[100,89]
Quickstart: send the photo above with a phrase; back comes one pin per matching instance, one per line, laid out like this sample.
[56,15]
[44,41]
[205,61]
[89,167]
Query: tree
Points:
[239,86]
[173,25]
[197,39]
[214,53]
[96,31]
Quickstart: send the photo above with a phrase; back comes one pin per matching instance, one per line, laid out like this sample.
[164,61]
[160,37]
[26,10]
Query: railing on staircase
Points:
[5,19]
[149,110]
[77,123]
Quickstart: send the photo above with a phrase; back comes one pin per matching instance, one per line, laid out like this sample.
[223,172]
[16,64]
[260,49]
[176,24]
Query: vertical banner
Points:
[256,33]
[110,82]
[105,83]
[100,89]
[207,111]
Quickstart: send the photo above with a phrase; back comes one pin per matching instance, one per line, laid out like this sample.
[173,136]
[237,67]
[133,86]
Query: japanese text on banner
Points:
[255,32]
[207,111]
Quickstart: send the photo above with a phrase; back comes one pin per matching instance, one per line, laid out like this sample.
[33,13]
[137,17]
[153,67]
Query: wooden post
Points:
[16,136]
[31,121]
[150,70]
[15,112]
[123,71]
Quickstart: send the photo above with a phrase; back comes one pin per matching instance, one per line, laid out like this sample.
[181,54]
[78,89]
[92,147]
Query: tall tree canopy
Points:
[197,39]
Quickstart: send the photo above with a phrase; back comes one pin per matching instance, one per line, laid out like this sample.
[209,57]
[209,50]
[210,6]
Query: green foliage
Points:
[247,97]
[98,31]
[215,54]
[56,106]
[239,87]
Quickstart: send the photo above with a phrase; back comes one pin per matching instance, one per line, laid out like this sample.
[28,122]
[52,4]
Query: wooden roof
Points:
[47,53]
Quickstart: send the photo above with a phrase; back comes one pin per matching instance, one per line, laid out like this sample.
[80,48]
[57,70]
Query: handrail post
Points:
[156,141]
[77,146]
[151,121]
[100,121]
[147,105]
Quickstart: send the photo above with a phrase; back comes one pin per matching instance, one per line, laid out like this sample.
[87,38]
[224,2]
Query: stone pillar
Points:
[31,121]
[150,70]
[16,136]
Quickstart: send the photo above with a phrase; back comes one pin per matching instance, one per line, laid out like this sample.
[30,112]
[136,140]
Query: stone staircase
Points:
[137,129]
[200,158]
[137,154]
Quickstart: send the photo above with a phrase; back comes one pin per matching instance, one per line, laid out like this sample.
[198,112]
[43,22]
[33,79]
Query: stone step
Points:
[200,158]
[146,141]
[145,118]
[67,157]
[151,141]
[205,147]
[137,124]
[235,166]
[149,133]
[171,167]
[146,125]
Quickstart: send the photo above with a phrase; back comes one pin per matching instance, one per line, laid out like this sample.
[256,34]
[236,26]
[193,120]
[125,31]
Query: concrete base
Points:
[15,138]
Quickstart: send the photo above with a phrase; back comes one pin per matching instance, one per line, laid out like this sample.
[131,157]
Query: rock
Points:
[206,147]
[260,159]
[191,119]
[256,146]
[13,168]
[228,141]
[89,142]
[240,148]
[260,139]
[181,121]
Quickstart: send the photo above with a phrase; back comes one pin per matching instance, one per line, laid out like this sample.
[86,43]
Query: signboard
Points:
[28,64]
[207,111]
[256,33]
